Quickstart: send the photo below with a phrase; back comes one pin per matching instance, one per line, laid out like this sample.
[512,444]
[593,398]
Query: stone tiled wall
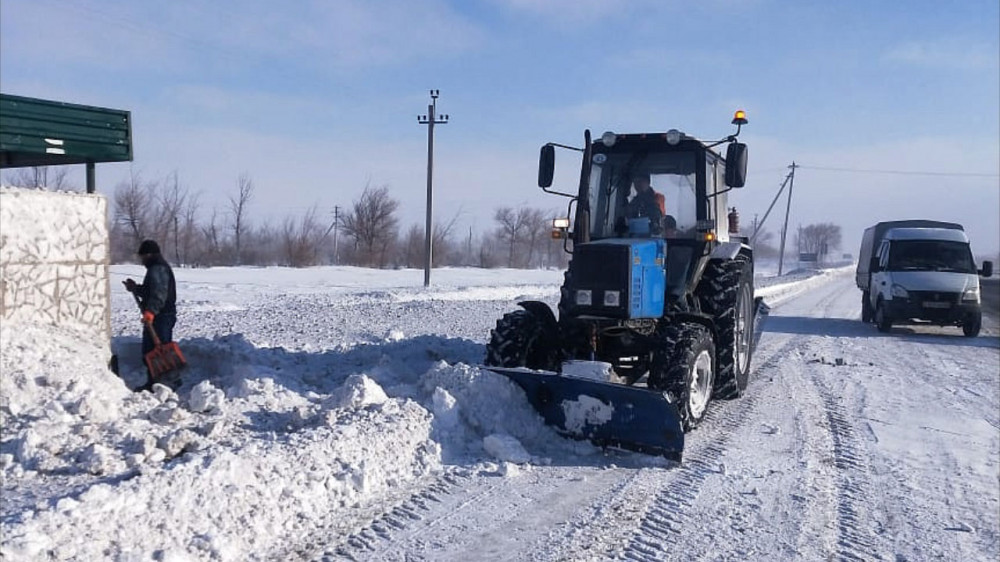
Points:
[54,254]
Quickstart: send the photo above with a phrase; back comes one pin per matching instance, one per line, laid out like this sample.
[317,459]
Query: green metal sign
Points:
[36,132]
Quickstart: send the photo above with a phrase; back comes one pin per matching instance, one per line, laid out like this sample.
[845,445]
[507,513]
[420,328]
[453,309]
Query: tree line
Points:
[367,233]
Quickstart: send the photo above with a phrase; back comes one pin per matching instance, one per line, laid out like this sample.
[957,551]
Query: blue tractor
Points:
[657,313]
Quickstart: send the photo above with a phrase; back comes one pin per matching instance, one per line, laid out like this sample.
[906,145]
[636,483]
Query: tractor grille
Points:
[601,267]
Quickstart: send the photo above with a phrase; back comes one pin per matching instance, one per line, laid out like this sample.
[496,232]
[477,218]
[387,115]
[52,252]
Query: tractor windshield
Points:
[643,194]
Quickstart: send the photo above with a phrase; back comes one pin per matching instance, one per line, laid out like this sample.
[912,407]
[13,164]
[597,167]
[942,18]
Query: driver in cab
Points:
[647,202]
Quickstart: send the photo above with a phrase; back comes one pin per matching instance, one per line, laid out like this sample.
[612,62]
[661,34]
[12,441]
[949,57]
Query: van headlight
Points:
[584,297]
[612,298]
[899,292]
[971,295]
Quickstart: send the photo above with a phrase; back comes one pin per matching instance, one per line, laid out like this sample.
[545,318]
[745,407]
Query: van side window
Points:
[883,255]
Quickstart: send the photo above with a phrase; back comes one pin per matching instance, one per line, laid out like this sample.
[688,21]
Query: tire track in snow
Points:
[666,516]
[855,539]
[329,544]
[663,522]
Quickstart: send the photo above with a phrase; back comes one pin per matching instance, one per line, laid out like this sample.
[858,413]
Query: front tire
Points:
[684,367]
[972,325]
[866,307]
[522,340]
[882,319]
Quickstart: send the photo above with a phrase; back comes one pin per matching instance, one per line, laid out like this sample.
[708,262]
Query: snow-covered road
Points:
[338,413]
[849,444]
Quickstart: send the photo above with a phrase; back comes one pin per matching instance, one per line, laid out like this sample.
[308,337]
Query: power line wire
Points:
[898,172]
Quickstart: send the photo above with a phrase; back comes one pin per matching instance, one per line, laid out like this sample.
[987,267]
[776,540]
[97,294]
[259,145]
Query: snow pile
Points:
[218,474]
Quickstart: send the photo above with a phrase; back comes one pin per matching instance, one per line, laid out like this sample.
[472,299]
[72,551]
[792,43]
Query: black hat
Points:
[148,247]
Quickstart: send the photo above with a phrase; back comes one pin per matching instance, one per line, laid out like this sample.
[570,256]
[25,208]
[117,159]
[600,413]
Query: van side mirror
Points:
[736,164]
[546,165]
[987,270]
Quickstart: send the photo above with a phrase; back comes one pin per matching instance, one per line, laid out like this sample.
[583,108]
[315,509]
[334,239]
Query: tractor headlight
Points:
[612,298]
[584,297]
[971,295]
[899,292]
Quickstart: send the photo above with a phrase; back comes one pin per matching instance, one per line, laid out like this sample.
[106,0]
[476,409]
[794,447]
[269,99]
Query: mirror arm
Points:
[727,190]
[564,146]
[553,192]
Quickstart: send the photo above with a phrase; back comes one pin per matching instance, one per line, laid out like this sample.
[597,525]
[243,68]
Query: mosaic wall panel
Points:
[54,260]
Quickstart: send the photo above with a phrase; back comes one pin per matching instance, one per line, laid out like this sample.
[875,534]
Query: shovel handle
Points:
[148,325]
[152,333]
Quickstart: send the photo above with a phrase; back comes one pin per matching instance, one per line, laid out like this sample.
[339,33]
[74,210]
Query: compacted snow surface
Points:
[339,413]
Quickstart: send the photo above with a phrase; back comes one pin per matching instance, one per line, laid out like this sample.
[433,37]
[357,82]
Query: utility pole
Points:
[431,119]
[788,208]
[336,227]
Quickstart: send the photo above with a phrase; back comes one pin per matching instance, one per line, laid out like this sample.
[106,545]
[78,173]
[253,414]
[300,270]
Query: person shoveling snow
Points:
[157,297]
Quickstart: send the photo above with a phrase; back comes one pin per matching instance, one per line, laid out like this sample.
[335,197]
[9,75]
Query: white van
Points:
[923,275]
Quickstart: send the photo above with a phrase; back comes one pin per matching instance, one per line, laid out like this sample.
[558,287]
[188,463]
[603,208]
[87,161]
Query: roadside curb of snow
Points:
[778,294]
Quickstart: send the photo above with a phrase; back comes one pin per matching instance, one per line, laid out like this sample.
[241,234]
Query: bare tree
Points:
[763,244]
[536,233]
[510,230]
[238,208]
[519,230]
[37,177]
[301,239]
[212,241]
[373,225]
[411,247]
[820,238]
[132,203]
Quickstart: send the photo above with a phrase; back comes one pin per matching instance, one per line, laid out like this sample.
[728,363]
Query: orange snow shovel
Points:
[165,359]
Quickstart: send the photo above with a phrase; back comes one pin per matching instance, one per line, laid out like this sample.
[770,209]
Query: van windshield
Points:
[930,255]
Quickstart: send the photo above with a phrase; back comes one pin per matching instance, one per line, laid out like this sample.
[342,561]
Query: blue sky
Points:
[314,99]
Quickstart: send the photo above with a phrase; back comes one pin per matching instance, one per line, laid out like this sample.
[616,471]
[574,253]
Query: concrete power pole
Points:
[336,227]
[430,120]
[788,208]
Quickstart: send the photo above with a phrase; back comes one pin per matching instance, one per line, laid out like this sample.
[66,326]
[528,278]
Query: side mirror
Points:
[546,165]
[987,270]
[736,164]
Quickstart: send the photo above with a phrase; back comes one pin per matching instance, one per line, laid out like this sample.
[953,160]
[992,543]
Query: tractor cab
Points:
[643,186]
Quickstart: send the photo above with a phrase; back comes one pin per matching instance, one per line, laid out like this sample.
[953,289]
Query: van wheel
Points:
[866,307]
[882,320]
[972,325]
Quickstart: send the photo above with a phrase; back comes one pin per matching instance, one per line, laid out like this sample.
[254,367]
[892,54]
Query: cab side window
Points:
[883,255]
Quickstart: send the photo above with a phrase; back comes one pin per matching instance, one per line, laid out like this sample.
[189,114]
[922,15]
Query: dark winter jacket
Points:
[158,292]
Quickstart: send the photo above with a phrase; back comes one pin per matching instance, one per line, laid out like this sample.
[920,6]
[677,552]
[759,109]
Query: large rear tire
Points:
[522,340]
[726,293]
[684,367]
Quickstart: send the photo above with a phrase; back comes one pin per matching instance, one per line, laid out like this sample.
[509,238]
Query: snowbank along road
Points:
[333,420]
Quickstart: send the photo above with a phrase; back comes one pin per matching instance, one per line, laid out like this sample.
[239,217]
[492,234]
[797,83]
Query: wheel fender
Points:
[698,318]
[727,251]
[542,311]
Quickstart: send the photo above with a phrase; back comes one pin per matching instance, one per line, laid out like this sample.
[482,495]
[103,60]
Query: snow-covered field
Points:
[338,413]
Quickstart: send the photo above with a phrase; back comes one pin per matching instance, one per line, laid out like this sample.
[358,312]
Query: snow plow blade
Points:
[607,414]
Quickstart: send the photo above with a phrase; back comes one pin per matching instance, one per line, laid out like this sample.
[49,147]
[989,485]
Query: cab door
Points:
[881,283]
